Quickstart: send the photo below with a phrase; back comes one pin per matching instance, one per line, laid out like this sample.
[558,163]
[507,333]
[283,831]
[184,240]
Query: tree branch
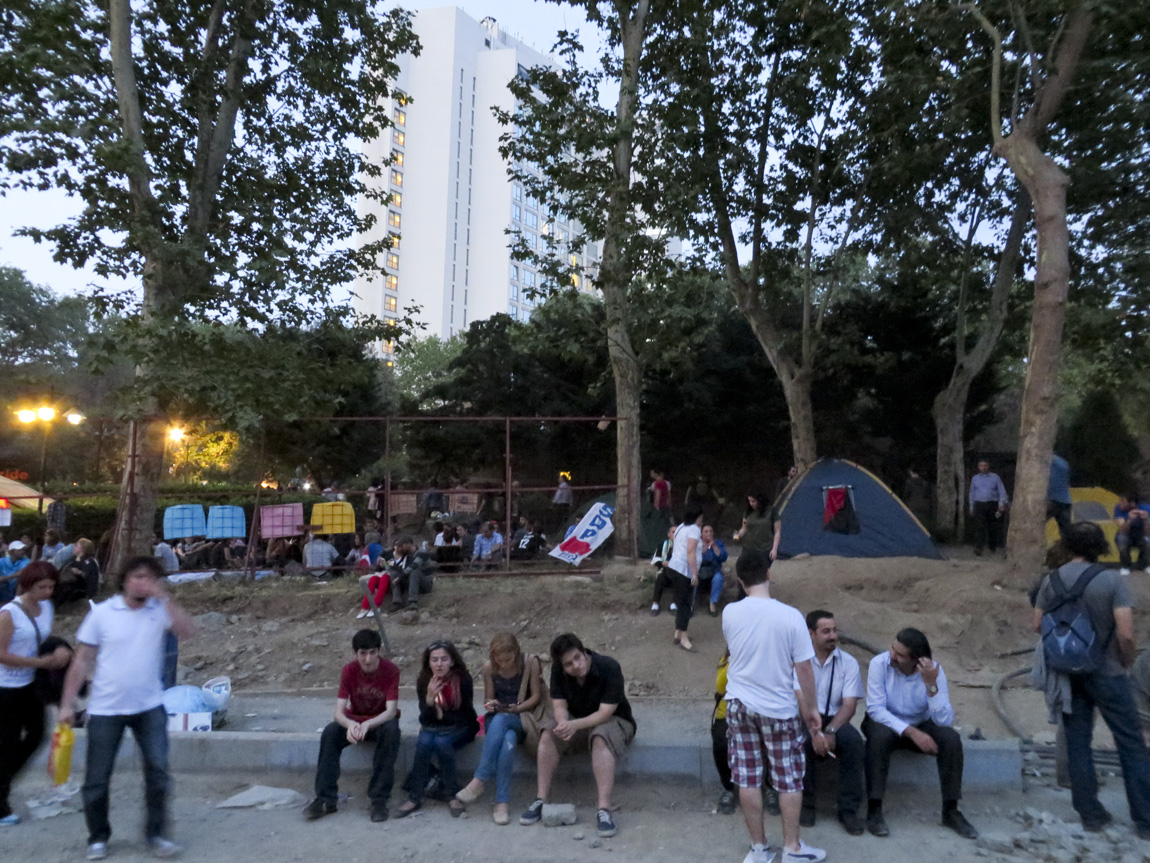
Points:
[760,172]
[808,245]
[995,70]
[1075,30]
[128,99]
[963,280]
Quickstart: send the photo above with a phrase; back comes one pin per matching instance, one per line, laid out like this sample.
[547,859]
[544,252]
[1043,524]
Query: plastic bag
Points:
[60,753]
[186,699]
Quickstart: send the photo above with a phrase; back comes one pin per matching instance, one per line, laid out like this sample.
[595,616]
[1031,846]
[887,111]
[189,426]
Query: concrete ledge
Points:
[988,764]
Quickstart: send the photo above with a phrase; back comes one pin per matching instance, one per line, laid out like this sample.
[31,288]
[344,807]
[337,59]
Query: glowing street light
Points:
[45,414]
[26,415]
[175,434]
[74,417]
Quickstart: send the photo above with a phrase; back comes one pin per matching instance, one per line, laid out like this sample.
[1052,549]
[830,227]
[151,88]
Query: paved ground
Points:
[666,823]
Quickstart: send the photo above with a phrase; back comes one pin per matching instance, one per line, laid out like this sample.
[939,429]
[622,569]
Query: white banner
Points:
[586,536]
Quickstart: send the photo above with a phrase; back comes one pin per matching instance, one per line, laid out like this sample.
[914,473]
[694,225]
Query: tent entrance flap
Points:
[839,514]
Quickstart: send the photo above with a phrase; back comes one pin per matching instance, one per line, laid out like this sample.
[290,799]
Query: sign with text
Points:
[586,536]
[404,504]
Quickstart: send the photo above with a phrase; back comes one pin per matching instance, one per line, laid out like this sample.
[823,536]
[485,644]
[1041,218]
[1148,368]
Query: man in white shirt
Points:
[770,647]
[319,553]
[908,707]
[122,641]
[838,688]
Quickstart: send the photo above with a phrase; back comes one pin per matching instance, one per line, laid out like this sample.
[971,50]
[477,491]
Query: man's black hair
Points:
[1086,539]
[692,513]
[752,567]
[564,644]
[915,642]
[143,561]
[366,639]
[815,616]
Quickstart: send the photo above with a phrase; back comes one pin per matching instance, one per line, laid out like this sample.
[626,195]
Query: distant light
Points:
[46,413]
[175,433]
[74,418]
[307,486]
[26,415]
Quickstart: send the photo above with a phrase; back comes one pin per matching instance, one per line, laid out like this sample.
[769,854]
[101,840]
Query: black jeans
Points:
[684,600]
[21,731]
[987,525]
[150,729]
[881,741]
[662,582]
[849,754]
[331,745]
[1135,537]
[1114,698]
[719,753]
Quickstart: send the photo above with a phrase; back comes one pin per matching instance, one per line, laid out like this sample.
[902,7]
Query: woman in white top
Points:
[683,571]
[21,712]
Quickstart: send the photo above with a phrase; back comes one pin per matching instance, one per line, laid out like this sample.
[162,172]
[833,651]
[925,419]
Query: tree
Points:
[213,146]
[1098,445]
[585,156]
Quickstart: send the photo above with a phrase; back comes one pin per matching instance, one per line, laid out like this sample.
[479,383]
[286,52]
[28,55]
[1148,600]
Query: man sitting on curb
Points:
[908,707]
[366,709]
[591,712]
[838,688]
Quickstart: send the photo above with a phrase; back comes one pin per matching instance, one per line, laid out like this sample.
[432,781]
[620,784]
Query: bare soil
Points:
[293,636]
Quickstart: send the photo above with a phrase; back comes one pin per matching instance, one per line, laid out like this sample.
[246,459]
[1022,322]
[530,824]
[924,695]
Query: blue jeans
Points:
[104,735]
[440,744]
[716,587]
[1115,701]
[498,758]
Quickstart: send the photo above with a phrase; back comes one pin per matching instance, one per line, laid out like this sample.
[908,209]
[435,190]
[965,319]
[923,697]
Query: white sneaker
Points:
[1147,570]
[759,854]
[163,848]
[362,614]
[97,851]
[805,854]
[674,607]
[1123,571]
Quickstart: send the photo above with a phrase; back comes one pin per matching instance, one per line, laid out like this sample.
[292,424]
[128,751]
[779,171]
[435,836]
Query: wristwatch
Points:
[831,729]
[932,690]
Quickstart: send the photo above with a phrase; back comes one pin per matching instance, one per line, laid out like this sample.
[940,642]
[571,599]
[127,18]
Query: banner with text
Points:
[586,536]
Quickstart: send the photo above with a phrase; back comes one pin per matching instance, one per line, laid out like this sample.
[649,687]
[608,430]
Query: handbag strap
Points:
[31,620]
[523,684]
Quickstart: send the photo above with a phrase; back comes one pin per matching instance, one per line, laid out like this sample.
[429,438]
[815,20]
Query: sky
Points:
[535,23]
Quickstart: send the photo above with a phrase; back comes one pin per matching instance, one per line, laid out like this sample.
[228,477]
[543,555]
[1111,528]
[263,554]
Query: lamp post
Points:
[45,414]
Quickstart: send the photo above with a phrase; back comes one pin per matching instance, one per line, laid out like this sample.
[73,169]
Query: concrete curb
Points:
[988,764]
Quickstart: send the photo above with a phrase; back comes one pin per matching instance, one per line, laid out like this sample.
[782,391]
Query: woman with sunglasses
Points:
[447,721]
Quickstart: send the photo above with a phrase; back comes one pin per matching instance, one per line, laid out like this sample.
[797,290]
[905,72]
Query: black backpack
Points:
[1069,642]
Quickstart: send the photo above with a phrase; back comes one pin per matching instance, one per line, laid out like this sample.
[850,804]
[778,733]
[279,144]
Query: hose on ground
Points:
[1000,705]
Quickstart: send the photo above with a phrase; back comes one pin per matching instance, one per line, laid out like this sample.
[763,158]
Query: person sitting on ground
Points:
[164,554]
[465,539]
[447,722]
[1133,531]
[52,545]
[437,534]
[488,547]
[318,554]
[366,711]
[591,712]
[412,573]
[512,686]
[838,688]
[1107,600]
[908,707]
[711,567]
[662,577]
[529,542]
[80,576]
[10,565]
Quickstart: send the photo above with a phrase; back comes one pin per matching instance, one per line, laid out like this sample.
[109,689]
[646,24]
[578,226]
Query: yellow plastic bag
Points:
[60,753]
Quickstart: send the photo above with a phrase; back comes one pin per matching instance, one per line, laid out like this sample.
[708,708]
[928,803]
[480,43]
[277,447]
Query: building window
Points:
[397,158]
[397,199]
[532,202]
[399,96]
[529,278]
[515,271]
[391,322]
[516,212]
[525,315]
[514,292]
[400,117]
[575,279]
[393,260]
[393,218]
[517,192]
[397,178]
[532,220]
[391,283]
[530,239]
[389,347]
[390,304]
[513,312]
[398,138]
[394,238]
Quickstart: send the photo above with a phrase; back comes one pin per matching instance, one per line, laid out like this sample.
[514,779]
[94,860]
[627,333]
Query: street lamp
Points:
[45,414]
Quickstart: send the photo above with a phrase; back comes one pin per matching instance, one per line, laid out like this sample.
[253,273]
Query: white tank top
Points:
[24,641]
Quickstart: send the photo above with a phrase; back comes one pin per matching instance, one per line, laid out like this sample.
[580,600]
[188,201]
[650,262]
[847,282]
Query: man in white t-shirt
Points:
[770,647]
[122,642]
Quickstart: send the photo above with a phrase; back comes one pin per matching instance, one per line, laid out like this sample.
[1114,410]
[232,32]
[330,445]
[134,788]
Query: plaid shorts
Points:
[753,739]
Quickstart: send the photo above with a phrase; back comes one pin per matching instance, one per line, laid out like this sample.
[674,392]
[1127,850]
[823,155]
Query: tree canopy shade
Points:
[213,146]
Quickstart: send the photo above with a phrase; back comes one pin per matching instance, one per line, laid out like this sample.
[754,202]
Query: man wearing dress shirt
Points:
[987,504]
[838,688]
[908,707]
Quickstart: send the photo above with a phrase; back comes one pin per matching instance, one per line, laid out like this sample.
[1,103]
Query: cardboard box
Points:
[190,721]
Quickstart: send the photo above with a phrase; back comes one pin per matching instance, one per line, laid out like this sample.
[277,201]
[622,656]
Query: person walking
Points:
[24,623]
[121,647]
[987,505]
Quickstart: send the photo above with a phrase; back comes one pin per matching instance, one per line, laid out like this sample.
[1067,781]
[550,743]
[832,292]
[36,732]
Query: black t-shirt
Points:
[603,685]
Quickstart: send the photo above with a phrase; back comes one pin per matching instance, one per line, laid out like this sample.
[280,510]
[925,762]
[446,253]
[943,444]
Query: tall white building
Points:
[452,200]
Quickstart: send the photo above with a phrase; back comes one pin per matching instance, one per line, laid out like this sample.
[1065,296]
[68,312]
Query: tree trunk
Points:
[628,392]
[136,514]
[797,391]
[1047,183]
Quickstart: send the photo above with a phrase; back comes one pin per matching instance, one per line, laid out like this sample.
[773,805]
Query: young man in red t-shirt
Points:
[366,709]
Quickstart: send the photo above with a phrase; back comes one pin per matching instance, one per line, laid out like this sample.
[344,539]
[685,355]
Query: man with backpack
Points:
[1083,612]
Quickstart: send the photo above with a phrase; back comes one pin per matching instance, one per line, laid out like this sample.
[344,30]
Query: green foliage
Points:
[420,364]
[1098,445]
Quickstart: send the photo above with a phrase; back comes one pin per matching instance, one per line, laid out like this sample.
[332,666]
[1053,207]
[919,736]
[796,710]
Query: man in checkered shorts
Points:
[770,646]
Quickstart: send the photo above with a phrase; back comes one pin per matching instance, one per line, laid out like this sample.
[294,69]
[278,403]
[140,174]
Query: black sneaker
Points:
[378,812]
[533,814]
[807,817]
[771,801]
[876,824]
[851,823]
[727,801]
[957,822]
[318,808]
[603,823]
[1097,825]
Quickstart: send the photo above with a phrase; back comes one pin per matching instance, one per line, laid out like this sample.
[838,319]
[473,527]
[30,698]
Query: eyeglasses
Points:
[439,645]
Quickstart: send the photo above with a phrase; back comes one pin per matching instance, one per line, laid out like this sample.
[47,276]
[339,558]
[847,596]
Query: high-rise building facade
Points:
[453,202]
